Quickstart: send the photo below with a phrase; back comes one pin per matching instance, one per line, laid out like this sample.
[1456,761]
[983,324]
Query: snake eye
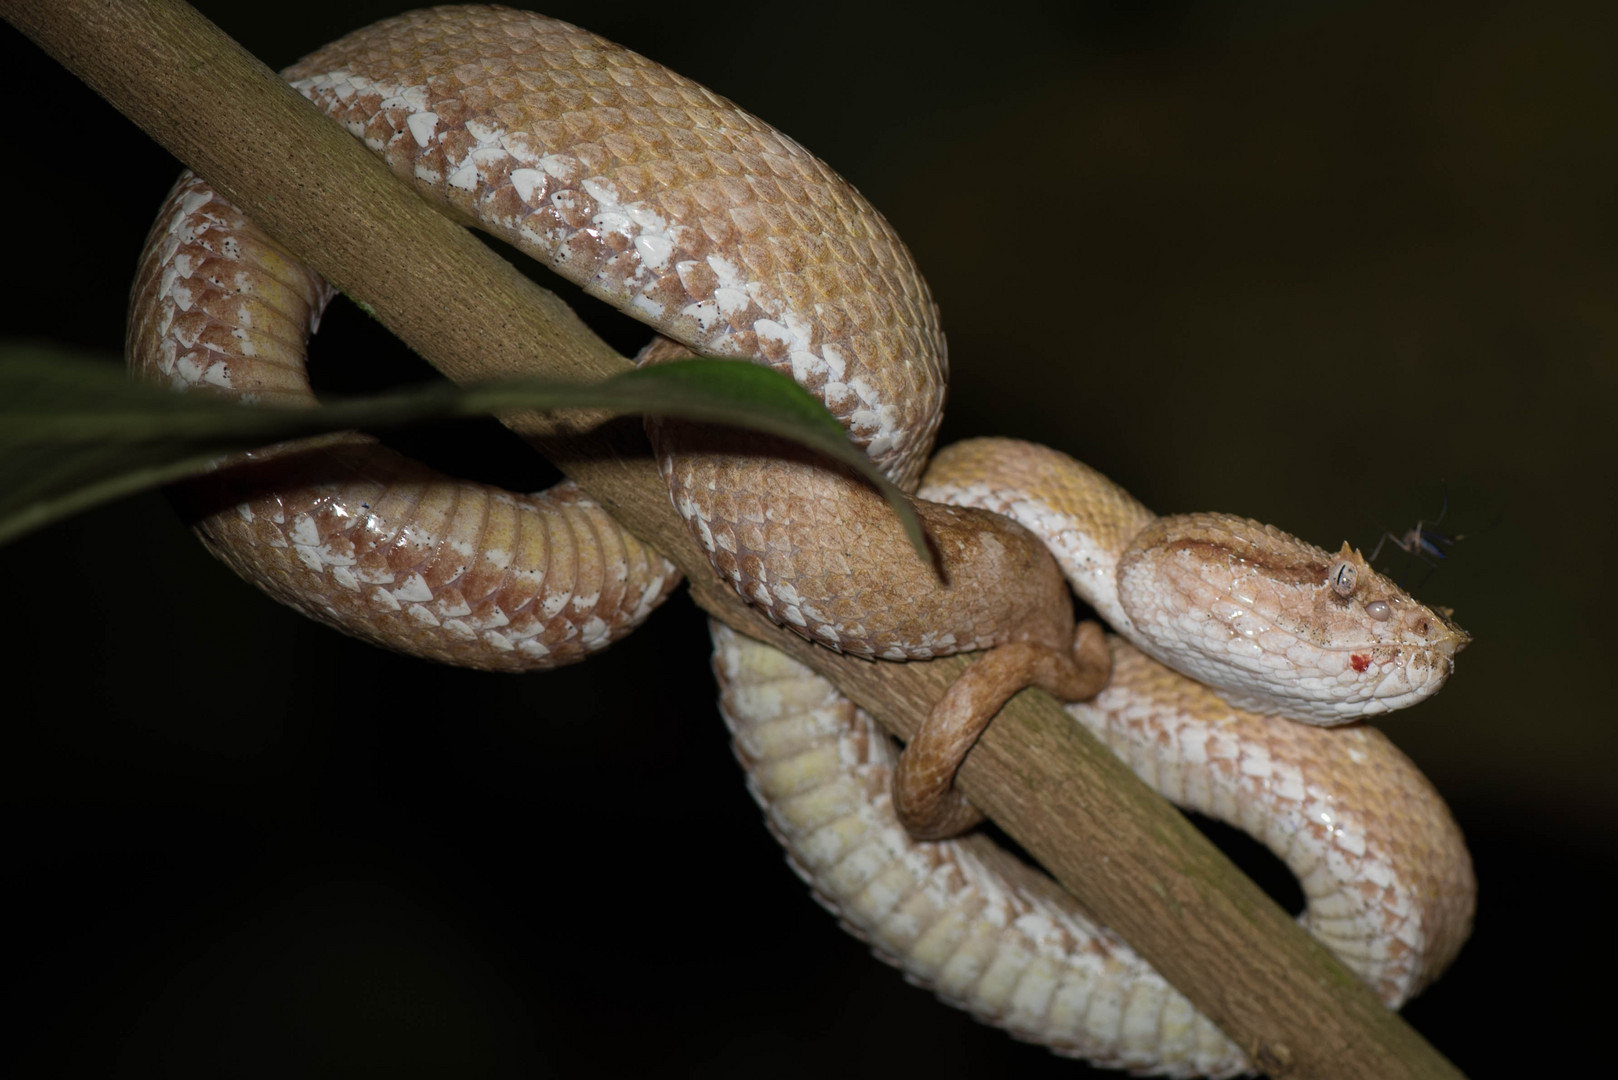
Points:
[1342,577]
[1378,610]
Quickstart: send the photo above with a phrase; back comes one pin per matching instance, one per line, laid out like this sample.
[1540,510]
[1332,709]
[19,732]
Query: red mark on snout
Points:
[1360,662]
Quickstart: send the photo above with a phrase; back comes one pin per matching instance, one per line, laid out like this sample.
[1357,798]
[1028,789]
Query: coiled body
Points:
[727,237]
[1387,882]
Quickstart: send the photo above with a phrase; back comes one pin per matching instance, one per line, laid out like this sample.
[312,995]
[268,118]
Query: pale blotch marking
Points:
[422,125]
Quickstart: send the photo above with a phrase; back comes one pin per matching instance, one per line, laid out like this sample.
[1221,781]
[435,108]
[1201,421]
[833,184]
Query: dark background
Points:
[1319,264]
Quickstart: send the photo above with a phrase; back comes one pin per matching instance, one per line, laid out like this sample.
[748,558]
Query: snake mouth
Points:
[1408,674]
[1345,682]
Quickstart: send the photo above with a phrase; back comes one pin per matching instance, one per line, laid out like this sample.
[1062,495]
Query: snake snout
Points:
[1450,638]
[1436,633]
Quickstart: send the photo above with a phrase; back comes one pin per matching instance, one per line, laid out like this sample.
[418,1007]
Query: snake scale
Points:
[729,239]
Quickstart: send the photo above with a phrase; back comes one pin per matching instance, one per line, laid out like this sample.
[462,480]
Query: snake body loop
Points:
[1387,882]
[728,238]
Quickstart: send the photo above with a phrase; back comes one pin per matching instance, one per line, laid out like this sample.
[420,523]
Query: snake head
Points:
[1279,625]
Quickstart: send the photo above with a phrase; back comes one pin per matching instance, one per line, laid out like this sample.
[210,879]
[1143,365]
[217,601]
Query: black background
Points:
[1313,263]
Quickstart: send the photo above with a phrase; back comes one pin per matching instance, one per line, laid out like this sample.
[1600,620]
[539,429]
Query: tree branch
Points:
[1128,856]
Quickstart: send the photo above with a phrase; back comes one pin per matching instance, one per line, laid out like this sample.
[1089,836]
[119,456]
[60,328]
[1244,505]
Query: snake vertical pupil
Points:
[1343,577]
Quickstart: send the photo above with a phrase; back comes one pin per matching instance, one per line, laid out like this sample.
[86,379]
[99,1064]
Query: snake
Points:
[729,239]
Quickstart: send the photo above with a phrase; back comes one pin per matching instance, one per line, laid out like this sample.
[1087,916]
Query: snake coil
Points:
[728,238]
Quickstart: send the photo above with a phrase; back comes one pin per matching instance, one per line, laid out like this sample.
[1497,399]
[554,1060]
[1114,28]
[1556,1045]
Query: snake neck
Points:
[1269,622]
[1085,519]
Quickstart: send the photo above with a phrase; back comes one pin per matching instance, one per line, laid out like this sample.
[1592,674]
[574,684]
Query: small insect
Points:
[1423,541]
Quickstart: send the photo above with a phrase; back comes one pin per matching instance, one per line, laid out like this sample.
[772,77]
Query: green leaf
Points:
[75,431]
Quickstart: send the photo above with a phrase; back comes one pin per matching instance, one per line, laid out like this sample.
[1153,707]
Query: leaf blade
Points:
[75,431]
